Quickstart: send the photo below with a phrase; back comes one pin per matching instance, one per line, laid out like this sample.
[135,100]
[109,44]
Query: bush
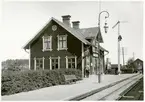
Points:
[127,70]
[31,80]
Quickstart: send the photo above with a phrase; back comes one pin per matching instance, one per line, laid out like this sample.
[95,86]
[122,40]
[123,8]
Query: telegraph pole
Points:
[123,55]
[119,39]
[133,55]
[118,47]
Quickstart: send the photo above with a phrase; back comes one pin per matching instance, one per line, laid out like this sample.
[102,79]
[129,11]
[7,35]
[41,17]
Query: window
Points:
[62,42]
[39,63]
[47,43]
[54,63]
[71,62]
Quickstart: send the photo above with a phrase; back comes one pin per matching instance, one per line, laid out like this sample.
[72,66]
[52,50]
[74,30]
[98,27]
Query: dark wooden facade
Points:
[73,45]
[139,65]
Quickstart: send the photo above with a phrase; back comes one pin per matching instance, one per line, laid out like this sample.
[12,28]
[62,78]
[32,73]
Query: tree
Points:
[131,65]
[15,65]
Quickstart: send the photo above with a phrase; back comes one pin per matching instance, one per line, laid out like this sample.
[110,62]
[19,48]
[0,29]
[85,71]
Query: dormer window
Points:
[47,43]
[62,42]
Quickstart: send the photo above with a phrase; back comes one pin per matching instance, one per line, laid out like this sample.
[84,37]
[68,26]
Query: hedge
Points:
[128,70]
[31,80]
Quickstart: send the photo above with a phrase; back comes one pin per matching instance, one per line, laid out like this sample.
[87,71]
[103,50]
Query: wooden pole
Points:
[123,56]
[118,48]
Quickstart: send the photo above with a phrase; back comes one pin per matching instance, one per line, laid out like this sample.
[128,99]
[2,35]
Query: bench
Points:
[70,78]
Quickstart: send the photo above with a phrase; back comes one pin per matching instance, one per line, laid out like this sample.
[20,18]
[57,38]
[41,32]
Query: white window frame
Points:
[58,41]
[35,62]
[29,58]
[67,57]
[50,49]
[50,60]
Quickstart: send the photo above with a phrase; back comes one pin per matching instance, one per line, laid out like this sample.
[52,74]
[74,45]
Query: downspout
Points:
[29,56]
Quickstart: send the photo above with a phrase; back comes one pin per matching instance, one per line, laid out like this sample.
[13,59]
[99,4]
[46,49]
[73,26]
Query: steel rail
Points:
[92,92]
[103,98]
[129,89]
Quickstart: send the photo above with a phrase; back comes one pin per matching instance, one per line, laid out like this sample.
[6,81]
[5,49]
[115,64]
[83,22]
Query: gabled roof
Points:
[76,33]
[81,34]
[91,32]
[138,60]
[103,49]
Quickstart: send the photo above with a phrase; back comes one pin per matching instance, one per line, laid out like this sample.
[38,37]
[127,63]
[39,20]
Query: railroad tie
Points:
[128,96]
[140,91]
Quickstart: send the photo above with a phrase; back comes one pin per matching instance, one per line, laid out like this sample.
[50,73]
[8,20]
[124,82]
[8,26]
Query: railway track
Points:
[105,93]
[115,93]
[135,92]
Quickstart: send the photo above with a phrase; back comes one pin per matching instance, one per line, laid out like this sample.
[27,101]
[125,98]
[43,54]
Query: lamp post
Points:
[105,27]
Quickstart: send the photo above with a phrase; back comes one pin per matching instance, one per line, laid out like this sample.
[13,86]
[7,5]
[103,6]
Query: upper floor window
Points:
[47,43]
[62,42]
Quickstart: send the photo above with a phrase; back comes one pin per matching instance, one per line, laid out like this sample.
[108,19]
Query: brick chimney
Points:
[76,24]
[66,19]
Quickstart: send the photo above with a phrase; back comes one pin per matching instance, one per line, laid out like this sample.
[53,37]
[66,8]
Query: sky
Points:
[21,20]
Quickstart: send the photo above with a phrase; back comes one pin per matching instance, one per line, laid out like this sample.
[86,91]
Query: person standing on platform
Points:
[87,71]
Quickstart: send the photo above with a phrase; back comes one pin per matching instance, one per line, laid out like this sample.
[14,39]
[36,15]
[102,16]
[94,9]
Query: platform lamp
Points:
[105,28]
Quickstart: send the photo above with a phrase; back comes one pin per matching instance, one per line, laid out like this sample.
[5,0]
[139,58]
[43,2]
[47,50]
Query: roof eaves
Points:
[138,60]
[26,46]
[104,49]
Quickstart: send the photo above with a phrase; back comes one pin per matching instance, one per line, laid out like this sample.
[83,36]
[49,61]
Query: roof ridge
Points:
[89,27]
[79,34]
